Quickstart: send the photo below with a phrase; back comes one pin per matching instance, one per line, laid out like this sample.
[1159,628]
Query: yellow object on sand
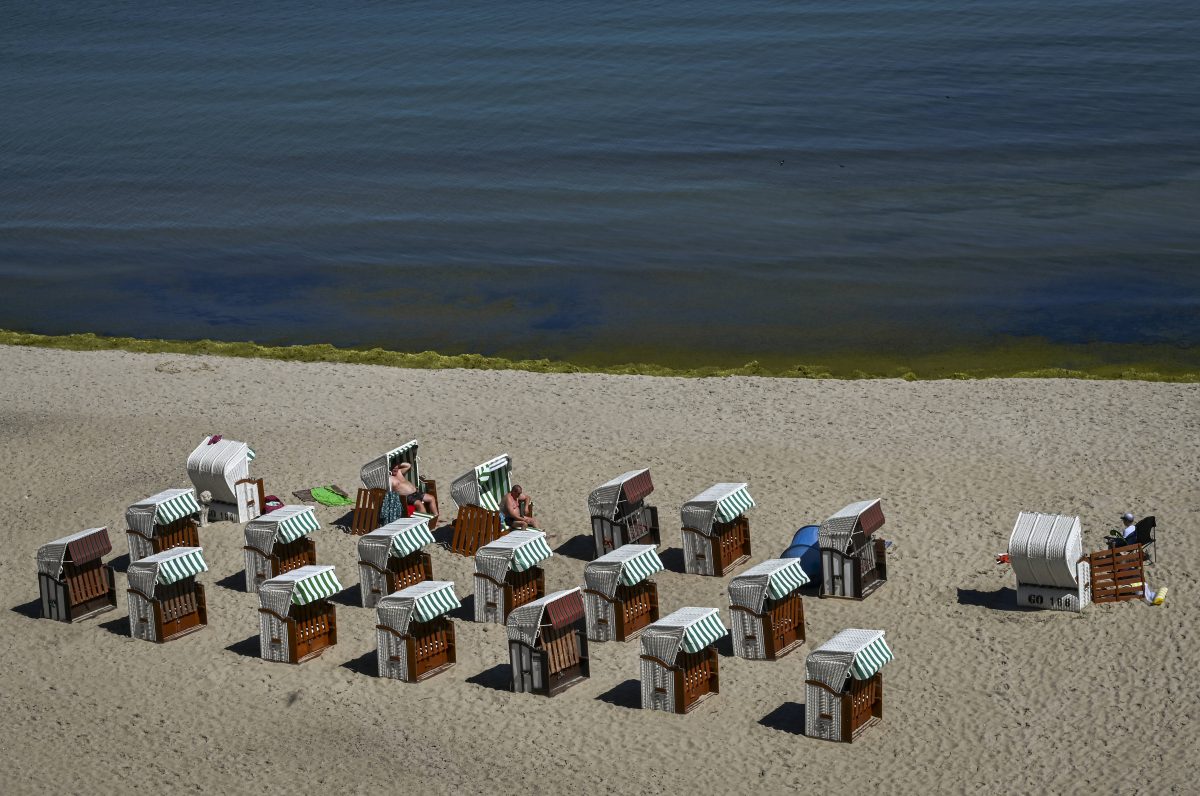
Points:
[1160,596]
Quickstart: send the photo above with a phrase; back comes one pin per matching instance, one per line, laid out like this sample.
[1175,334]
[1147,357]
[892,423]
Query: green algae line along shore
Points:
[1026,358]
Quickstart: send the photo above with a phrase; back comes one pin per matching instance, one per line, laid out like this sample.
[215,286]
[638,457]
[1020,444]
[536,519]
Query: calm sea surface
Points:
[604,180]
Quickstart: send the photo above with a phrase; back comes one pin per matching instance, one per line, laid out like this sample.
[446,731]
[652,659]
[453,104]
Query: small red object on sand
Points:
[214,439]
[1002,558]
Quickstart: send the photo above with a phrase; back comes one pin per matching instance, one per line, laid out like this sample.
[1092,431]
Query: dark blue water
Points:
[575,178]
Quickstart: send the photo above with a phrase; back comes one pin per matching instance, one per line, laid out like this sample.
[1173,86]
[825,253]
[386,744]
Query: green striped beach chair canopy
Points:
[685,630]
[216,466]
[776,578]
[281,526]
[396,539]
[628,565]
[516,552]
[376,474]
[421,602]
[484,485]
[555,611]
[165,568]
[628,488]
[79,547]
[851,653]
[848,530]
[161,509]
[1044,549]
[719,503]
[301,586]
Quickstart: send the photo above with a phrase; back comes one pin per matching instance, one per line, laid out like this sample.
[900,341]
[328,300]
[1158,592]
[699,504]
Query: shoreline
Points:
[1025,359]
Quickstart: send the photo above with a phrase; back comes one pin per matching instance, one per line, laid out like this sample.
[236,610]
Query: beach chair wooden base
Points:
[83,592]
[859,706]
[367,505]
[1117,574]
[725,549]
[475,527]
[855,576]
[779,629]
[284,558]
[683,687]
[639,526]
[181,533]
[494,601]
[179,609]
[306,632]
[427,650]
[558,661]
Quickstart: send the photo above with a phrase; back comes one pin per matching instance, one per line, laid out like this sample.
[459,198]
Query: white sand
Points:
[980,698]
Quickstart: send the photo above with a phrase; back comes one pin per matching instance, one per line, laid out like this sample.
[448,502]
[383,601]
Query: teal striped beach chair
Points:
[766,609]
[415,636]
[376,504]
[160,522]
[479,493]
[679,660]
[296,620]
[279,542]
[716,532]
[844,686]
[391,558]
[165,601]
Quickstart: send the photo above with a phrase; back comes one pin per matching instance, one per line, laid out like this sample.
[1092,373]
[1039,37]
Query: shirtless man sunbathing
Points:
[420,501]
[518,508]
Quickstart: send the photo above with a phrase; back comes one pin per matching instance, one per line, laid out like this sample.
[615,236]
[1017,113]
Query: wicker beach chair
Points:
[415,637]
[679,660]
[479,493]
[221,467]
[507,574]
[547,645]
[716,532]
[391,558]
[844,687]
[376,504]
[619,596]
[620,514]
[279,542]
[766,609]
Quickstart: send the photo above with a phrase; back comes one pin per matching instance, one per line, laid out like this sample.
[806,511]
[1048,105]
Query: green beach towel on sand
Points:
[327,497]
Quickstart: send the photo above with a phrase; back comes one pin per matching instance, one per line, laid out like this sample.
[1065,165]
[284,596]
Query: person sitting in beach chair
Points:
[517,509]
[418,500]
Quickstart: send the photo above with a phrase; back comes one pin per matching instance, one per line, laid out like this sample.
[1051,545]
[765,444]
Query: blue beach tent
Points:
[804,547]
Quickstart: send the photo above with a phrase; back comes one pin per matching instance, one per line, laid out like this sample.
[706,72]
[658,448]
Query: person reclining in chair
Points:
[517,508]
[420,501]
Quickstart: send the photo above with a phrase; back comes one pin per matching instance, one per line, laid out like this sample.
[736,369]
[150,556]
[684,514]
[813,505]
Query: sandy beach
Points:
[981,698]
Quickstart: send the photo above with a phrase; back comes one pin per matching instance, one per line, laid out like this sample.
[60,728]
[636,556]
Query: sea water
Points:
[607,181]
